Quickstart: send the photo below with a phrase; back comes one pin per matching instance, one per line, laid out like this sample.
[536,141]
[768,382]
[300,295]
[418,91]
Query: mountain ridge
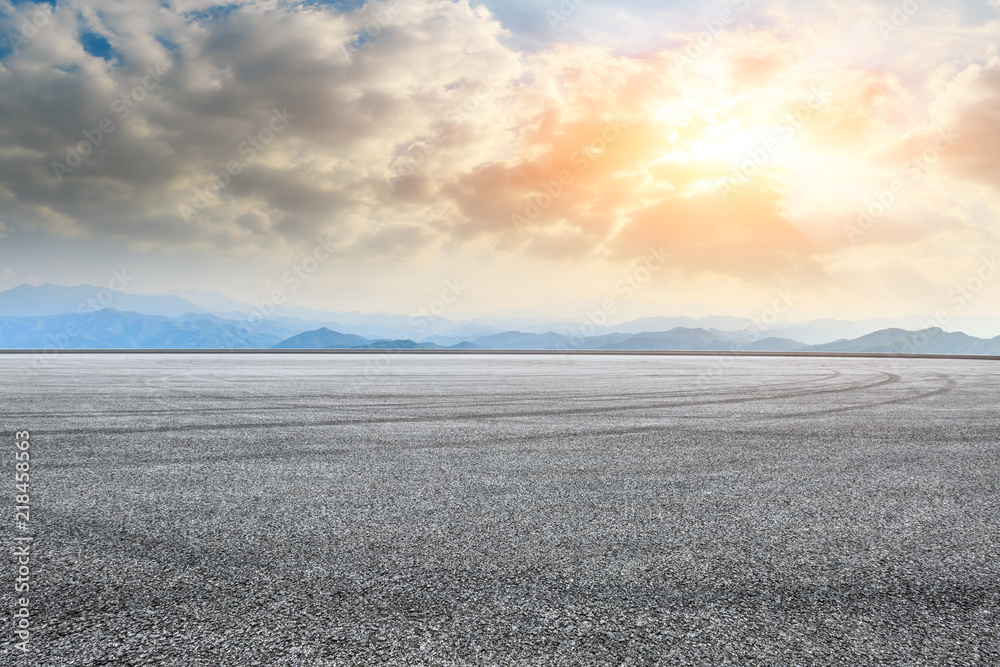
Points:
[112,329]
[38,316]
[51,299]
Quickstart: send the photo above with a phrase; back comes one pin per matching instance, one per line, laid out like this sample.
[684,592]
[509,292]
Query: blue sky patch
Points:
[97,45]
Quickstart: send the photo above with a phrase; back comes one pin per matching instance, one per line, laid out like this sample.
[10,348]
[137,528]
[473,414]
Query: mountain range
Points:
[927,341]
[89,317]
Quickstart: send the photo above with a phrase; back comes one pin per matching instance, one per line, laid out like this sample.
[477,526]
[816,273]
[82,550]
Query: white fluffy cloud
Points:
[185,93]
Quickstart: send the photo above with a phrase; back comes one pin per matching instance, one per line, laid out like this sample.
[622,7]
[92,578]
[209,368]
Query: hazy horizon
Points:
[428,324]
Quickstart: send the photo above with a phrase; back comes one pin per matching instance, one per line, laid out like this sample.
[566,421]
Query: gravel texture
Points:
[507,510]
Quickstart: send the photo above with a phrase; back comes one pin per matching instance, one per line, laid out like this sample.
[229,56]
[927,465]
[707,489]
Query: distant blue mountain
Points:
[413,345]
[321,339]
[518,340]
[681,339]
[325,339]
[769,345]
[399,345]
[109,329]
[47,299]
[498,332]
[927,341]
[89,317]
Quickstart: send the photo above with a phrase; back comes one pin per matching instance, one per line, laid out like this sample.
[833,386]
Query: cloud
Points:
[604,168]
[745,236]
[187,93]
[972,110]
[410,126]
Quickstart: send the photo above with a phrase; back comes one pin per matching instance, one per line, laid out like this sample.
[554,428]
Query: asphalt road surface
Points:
[505,510]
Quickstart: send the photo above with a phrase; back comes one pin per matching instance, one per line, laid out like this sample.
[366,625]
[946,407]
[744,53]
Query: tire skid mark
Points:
[889,379]
[950,384]
[500,400]
[193,392]
[187,459]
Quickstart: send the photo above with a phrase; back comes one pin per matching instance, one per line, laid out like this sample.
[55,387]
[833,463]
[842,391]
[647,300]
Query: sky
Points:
[529,157]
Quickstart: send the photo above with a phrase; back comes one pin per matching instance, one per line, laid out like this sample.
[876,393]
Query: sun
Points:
[732,143]
[706,142]
[709,134]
